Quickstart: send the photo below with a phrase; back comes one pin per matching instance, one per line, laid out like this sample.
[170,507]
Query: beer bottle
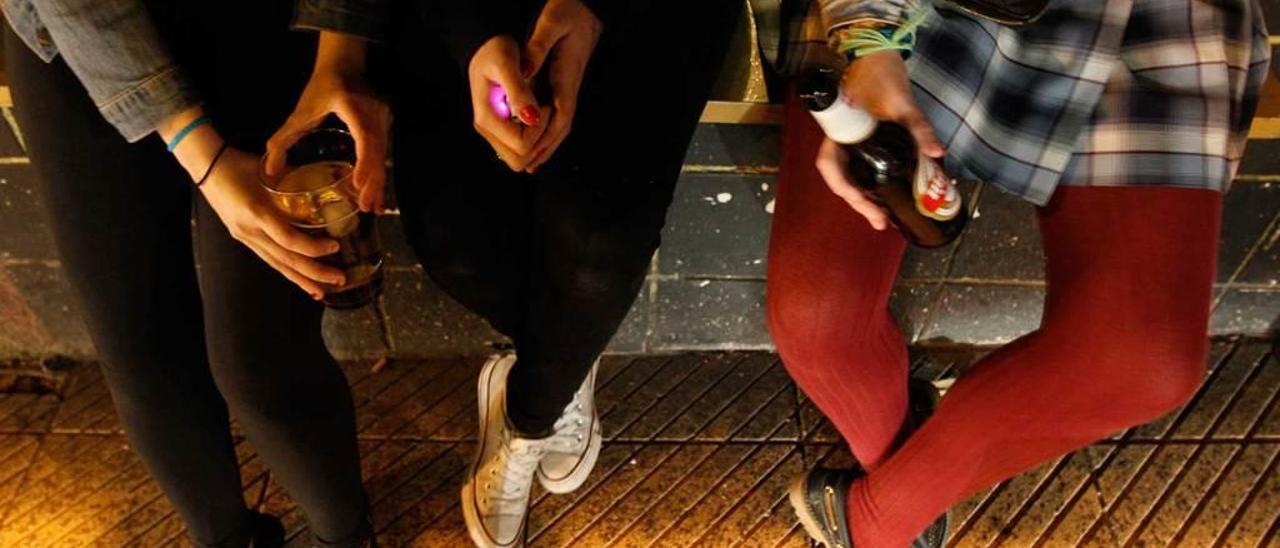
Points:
[921,200]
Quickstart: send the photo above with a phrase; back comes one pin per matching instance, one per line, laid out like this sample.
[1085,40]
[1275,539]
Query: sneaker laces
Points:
[507,479]
[570,430]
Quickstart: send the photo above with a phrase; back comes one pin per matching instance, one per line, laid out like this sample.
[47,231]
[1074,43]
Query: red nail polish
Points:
[530,115]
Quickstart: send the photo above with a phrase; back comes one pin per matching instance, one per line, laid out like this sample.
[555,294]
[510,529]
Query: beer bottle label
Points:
[935,193]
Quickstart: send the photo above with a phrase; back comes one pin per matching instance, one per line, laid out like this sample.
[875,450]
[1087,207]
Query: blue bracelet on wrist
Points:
[182,134]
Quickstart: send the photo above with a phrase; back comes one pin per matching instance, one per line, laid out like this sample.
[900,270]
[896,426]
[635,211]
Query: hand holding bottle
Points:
[879,168]
[877,83]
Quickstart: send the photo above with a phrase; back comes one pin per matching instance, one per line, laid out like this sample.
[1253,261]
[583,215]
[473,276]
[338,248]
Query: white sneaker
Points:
[575,445]
[495,498]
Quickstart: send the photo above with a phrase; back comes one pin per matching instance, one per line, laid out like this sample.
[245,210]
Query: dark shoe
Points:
[821,501]
[268,532]
[820,498]
[935,536]
[923,397]
[923,401]
[361,538]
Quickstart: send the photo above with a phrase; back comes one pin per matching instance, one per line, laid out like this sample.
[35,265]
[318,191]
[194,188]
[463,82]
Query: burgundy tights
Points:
[1123,341]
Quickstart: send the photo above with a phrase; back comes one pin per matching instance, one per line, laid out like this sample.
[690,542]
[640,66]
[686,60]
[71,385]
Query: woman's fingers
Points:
[514,160]
[868,209]
[505,135]
[879,83]
[529,135]
[830,164]
[285,137]
[546,145]
[520,95]
[497,62]
[308,268]
[290,238]
[369,127]
[546,33]
[922,131]
[500,65]
[297,250]
[309,286]
[373,196]
[370,137]
[567,71]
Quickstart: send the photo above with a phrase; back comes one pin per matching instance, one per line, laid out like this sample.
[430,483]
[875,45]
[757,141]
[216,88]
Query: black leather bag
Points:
[1013,13]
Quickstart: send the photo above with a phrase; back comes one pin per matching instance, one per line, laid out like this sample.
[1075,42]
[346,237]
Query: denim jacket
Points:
[114,50]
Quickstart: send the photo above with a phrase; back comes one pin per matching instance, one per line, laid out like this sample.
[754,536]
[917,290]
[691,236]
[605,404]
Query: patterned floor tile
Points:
[701,449]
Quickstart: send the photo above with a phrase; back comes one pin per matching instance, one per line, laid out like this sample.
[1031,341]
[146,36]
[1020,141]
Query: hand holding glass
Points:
[316,194]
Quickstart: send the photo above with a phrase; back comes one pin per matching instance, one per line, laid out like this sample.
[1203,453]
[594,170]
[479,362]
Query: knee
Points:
[1152,372]
[276,383]
[592,280]
[792,319]
[252,393]
[1176,372]
[811,324]
[604,269]
[451,272]
[283,398]
[591,284]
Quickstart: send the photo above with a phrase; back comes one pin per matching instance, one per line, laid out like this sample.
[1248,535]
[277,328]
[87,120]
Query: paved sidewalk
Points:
[700,449]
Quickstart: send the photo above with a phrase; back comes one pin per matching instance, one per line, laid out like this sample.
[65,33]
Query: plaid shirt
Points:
[1097,92]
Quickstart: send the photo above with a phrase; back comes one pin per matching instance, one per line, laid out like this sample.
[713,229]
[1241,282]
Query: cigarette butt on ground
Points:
[378,365]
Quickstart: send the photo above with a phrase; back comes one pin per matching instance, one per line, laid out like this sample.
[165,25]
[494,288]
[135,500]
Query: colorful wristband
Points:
[853,43]
[182,134]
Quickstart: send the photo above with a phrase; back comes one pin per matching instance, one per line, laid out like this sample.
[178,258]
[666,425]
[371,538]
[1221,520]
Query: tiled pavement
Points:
[700,448]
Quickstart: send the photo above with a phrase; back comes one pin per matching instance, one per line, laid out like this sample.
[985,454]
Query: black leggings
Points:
[555,260]
[174,344]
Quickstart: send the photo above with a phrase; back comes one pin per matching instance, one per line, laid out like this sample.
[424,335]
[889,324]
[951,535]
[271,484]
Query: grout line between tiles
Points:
[1258,245]
[935,301]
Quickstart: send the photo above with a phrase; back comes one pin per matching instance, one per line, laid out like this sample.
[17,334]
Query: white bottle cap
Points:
[844,123]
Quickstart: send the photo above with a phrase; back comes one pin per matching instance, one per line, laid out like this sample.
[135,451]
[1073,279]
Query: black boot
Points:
[821,501]
[363,538]
[268,532]
[923,401]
